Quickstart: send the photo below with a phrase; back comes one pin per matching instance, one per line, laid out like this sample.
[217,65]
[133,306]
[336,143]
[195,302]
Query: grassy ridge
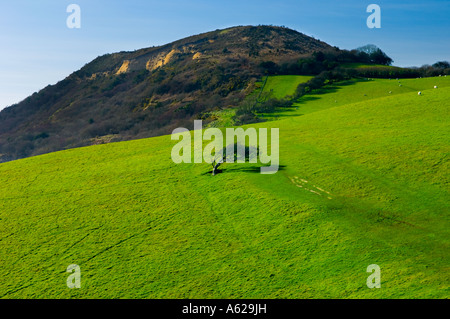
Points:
[363,180]
[363,65]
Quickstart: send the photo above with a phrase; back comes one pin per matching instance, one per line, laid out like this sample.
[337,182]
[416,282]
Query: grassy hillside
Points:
[283,85]
[359,91]
[364,180]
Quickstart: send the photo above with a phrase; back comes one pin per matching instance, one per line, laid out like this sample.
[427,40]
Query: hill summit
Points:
[148,92]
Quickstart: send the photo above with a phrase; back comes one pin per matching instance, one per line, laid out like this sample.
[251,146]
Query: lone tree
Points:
[374,54]
[234,153]
[442,65]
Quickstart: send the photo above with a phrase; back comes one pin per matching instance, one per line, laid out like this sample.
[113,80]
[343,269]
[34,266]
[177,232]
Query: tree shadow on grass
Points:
[243,169]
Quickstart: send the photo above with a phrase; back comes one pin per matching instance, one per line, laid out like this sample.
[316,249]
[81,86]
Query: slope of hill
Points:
[284,85]
[364,180]
[147,92]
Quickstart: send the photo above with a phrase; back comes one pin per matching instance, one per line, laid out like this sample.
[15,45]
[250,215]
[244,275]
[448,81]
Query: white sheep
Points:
[435,86]
[419,93]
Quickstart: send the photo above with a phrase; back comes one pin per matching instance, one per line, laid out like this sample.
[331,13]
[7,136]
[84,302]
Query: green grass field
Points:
[363,66]
[284,85]
[363,180]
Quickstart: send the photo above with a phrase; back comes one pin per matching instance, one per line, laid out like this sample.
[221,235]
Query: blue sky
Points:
[38,49]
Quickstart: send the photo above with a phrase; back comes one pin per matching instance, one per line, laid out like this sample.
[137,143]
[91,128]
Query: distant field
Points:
[284,85]
[358,91]
[353,92]
[364,180]
[362,66]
